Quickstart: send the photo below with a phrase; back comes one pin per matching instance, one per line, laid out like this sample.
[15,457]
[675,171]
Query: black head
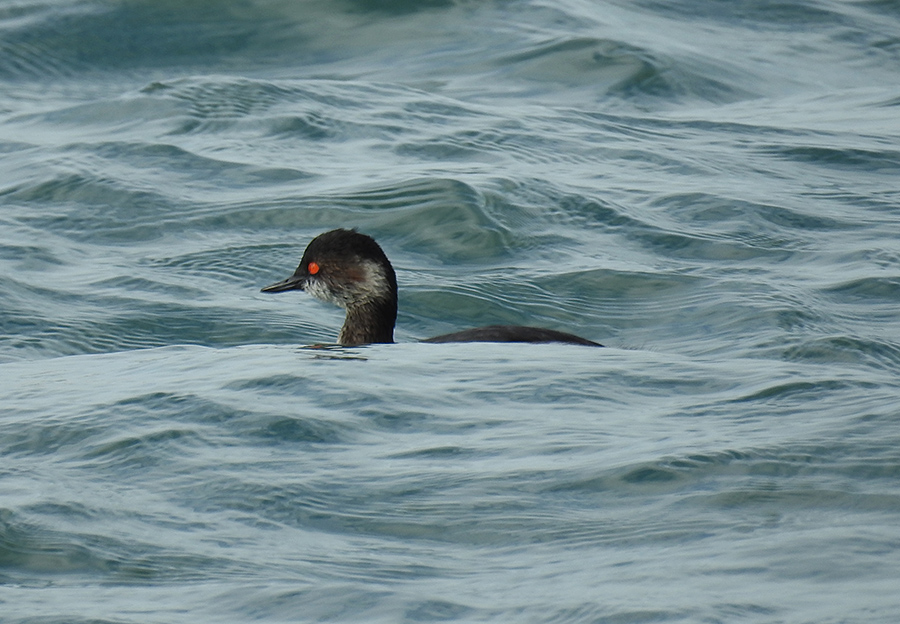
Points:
[350,270]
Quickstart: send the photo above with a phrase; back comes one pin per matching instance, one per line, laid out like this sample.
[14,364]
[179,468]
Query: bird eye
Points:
[313,268]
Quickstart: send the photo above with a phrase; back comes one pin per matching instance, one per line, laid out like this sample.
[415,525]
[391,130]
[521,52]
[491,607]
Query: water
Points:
[708,188]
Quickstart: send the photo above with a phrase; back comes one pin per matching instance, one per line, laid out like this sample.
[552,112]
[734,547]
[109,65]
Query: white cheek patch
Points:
[374,285]
[320,290]
[360,287]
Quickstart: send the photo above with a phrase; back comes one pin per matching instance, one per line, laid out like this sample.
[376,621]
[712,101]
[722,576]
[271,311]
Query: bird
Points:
[350,270]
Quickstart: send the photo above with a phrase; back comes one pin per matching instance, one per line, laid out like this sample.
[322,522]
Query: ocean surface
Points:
[709,188]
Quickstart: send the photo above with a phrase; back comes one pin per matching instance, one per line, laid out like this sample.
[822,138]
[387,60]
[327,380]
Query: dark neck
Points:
[369,323]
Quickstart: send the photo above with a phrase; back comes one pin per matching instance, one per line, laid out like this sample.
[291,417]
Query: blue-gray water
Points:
[710,188]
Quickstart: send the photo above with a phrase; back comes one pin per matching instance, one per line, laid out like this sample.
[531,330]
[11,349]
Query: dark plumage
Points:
[350,270]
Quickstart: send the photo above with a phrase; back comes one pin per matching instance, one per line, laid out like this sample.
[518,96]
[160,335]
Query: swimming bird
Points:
[351,270]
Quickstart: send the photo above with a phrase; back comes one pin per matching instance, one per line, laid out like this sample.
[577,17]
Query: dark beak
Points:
[294,282]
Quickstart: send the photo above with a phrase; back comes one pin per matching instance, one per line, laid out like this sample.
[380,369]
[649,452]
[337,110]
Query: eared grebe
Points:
[350,270]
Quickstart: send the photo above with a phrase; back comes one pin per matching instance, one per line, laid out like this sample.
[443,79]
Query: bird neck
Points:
[371,322]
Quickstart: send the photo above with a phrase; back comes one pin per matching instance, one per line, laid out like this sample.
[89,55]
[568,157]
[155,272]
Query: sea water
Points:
[710,189]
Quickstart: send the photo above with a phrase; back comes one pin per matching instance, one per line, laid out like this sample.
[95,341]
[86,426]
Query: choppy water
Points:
[708,188]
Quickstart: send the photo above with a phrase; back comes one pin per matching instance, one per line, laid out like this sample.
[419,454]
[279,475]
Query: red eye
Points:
[313,268]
